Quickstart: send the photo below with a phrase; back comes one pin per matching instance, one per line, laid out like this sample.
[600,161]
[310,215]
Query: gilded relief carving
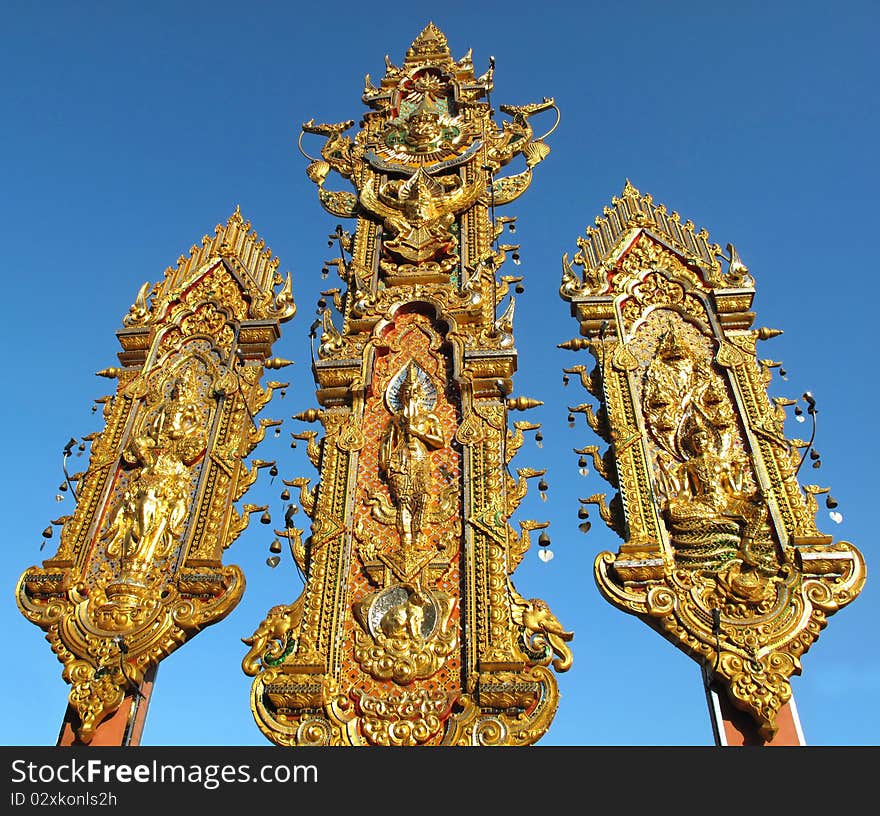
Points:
[721,553]
[411,631]
[138,571]
[404,461]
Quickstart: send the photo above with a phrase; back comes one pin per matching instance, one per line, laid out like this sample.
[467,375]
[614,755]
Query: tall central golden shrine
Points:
[409,630]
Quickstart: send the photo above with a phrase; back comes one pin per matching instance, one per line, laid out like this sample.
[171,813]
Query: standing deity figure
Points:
[404,457]
[152,512]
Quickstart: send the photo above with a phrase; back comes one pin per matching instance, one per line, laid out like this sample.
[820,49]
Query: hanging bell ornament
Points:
[543,487]
[265,518]
[275,546]
[545,553]
[285,494]
[273,561]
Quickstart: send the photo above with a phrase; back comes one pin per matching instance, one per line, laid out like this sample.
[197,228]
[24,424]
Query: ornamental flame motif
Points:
[721,554]
[409,630]
[138,571]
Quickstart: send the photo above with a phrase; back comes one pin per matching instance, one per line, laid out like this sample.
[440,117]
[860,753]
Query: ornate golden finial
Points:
[429,46]
[630,190]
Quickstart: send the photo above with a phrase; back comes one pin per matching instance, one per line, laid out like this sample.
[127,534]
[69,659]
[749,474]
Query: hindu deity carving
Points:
[404,459]
[151,515]
[715,513]
[428,128]
[419,213]
[406,632]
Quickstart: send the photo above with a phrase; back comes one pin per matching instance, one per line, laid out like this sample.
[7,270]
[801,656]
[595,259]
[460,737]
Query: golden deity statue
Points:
[704,480]
[151,515]
[404,457]
[712,518]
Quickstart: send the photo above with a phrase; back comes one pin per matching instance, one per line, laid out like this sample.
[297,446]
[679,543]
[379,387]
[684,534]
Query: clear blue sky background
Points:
[131,129]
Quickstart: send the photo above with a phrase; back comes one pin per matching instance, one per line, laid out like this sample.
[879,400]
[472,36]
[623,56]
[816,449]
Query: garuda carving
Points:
[418,214]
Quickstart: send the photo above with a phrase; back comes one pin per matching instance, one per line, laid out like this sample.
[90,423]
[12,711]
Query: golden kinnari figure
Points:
[721,552]
[409,630]
[138,570]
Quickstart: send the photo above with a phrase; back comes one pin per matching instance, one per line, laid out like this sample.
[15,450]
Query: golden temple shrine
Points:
[409,629]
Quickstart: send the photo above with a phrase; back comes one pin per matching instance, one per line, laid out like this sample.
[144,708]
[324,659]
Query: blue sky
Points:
[130,130]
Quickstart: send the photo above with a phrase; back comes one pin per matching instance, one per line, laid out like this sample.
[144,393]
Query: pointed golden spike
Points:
[430,45]
[629,190]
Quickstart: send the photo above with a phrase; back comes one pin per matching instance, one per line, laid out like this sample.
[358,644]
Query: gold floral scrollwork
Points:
[406,719]
[469,431]
[350,438]
[407,633]
[760,687]
[729,355]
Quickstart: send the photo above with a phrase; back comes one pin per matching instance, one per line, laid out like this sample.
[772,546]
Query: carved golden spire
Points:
[409,630]
[430,46]
[721,552]
[138,569]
